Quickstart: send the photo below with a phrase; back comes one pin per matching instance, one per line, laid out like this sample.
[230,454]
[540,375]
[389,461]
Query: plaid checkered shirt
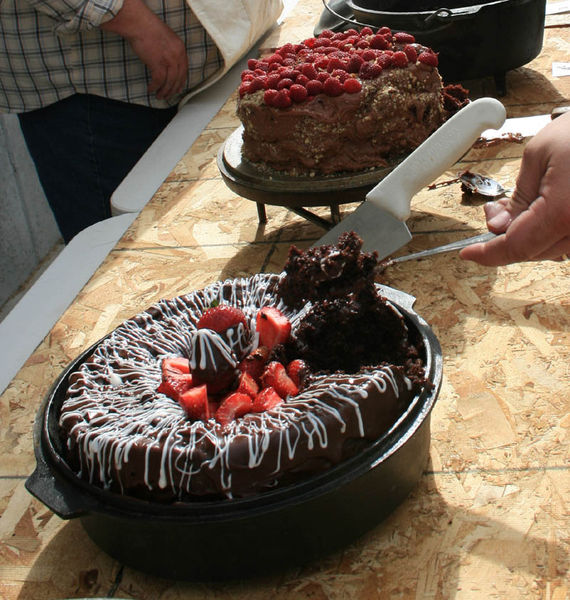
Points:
[51,49]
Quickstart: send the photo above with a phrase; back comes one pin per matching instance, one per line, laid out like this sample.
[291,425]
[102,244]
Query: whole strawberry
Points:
[230,322]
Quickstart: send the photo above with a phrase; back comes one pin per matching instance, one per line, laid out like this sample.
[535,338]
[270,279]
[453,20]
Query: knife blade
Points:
[524,126]
[379,220]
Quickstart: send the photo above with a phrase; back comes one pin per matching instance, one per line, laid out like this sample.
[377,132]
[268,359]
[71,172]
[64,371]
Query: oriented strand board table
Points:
[490,516]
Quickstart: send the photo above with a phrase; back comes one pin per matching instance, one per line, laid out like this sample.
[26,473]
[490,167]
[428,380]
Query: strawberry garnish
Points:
[267,399]
[176,364]
[254,363]
[273,326]
[233,406]
[275,376]
[221,317]
[297,370]
[248,385]
[195,402]
[173,385]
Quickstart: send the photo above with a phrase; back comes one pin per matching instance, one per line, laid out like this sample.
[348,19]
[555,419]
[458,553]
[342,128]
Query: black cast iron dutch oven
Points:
[474,39]
[239,538]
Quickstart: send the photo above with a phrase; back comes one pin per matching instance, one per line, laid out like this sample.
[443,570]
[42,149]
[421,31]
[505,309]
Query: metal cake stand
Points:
[295,192]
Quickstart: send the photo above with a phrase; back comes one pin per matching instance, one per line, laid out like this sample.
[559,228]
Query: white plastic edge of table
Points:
[31,319]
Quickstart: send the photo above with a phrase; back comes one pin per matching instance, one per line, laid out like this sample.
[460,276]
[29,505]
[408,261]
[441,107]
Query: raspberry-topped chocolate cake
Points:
[343,101]
[245,385]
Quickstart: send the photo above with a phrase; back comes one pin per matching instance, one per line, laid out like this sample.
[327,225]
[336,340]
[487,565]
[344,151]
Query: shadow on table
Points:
[426,548]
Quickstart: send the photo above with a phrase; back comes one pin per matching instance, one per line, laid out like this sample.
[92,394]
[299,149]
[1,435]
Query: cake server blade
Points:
[380,219]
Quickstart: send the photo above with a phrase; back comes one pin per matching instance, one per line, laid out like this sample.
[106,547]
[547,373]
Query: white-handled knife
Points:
[380,219]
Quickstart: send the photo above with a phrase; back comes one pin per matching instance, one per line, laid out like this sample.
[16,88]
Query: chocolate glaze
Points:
[390,116]
[123,436]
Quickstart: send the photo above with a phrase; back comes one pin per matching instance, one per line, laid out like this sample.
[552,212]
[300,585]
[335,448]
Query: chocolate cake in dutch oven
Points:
[244,386]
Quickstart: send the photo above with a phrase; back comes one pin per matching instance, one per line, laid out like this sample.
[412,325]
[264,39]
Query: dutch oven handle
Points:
[446,15]
[56,493]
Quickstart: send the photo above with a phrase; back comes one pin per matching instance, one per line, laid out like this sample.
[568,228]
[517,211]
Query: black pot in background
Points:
[236,539]
[473,39]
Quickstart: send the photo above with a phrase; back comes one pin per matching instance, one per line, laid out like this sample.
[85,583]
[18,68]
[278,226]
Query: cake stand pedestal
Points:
[298,193]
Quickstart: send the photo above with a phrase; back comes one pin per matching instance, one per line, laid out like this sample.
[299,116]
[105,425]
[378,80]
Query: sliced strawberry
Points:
[195,402]
[248,385]
[223,381]
[273,326]
[221,317]
[176,364]
[233,406]
[297,370]
[275,376]
[175,384]
[267,399]
[254,363]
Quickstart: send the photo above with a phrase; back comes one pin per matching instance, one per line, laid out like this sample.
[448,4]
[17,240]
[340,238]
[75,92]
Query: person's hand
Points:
[535,222]
[158,47]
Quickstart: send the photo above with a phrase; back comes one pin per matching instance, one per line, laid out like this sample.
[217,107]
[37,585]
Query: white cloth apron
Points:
[235,26]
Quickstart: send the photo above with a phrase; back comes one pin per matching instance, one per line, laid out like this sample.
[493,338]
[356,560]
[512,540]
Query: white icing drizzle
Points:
[113,411]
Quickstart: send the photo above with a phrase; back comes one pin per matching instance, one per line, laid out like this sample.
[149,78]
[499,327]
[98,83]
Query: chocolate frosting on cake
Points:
[381,97]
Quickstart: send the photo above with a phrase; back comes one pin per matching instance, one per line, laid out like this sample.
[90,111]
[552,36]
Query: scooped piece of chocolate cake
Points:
[327,272]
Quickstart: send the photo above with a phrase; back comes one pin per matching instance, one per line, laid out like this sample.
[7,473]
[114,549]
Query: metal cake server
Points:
[482,237]
[380,219]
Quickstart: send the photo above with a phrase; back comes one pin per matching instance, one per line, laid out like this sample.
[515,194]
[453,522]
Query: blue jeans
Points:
[83,147]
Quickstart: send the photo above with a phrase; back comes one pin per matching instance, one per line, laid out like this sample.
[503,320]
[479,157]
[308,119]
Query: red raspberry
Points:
[252,64]
[274,66]
[314,87]
[302,80]
[323,76]
[273,80]
[285,83]
[283,99]
[322,63]
[289,61]
[275,58]
[269,96]
[257,84]
[326,33]
[385,31]
[352,85]
[411,53]
[340,74]
[309,71]
[428,58]
[366,31]
[243,89]
[332,87]
[321,42]
[336,64]
[379,42]
[310,42]
[263,65]
[370,71]
[354,64]
[385,60]
[298,93]
[363,44]
[399,59]
[286,49]
[247,75]
[404,38]
[368,55]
